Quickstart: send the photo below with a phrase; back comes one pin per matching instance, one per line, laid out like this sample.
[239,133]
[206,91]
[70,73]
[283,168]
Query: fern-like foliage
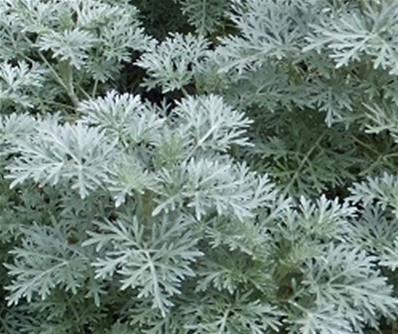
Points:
[198,167]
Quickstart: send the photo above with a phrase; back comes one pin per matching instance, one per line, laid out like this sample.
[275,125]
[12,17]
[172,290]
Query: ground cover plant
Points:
[198,166]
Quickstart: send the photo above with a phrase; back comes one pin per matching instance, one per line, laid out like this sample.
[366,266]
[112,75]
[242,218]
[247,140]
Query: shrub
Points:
[198,166]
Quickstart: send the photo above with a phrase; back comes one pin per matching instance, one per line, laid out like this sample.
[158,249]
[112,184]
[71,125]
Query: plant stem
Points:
[68,85]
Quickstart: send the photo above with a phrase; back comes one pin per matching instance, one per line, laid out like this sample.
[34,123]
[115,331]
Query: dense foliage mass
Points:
[198,166]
